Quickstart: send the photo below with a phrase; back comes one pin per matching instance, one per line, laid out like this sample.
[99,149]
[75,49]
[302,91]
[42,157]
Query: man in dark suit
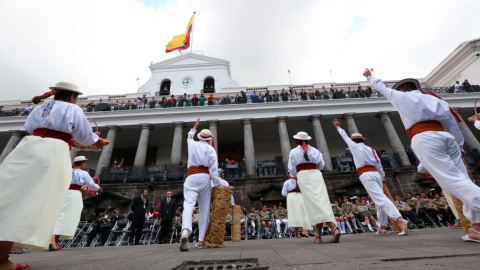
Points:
[167,213]
[139,208]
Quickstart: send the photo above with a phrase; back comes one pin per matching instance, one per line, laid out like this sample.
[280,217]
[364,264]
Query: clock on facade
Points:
[187,82]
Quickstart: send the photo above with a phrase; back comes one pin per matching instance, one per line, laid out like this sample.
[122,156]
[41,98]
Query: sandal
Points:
[466,238]
[336,236]
[51,248]
[22,266]
[199,245]
[381,232]
[317,239]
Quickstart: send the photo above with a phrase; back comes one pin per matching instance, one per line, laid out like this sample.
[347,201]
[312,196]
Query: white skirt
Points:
[34,182]
[297,214]
[69,217]
[315,196]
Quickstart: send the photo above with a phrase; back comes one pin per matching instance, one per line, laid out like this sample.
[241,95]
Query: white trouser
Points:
[285,221]
[372,181]
[440,155]
[197,188]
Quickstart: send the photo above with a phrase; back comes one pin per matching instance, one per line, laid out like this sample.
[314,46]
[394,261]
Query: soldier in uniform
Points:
[281,216]
[442,206]
[338,213]
[416,207]
[362,213]
[266,219]
[429,207]
[252,218]
[407,212]
[349,212]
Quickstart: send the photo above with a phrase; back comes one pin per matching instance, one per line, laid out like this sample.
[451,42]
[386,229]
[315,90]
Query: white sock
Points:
[354,223]
[370,227]
[348,225]
[342,226]
[378,225]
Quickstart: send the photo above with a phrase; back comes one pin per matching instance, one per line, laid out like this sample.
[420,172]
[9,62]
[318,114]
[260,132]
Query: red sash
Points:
[306,166]
[295,191]
[75,187]
[364,169]
[49,133]
[194,170]
[430,125]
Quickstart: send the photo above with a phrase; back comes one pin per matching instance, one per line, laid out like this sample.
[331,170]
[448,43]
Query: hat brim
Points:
[80,160]
[67,89]
[302,138]
[408,80]
[203,139]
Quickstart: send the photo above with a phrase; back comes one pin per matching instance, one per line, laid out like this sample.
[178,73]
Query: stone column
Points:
[470,141]
[106,154]
[176,156]
[392,135]
[352,127]
[320,140]
[285,146]
[142,148]
[16,137]
[249,147]
[212,126]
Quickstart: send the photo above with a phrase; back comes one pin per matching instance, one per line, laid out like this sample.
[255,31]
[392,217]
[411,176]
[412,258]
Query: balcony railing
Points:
[161,173]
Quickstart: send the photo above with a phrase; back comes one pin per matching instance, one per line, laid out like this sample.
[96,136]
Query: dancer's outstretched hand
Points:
[367,73]
[196,124]
[336,123]
[474,118]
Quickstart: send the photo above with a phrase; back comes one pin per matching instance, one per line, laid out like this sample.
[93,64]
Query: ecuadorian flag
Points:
[181,42]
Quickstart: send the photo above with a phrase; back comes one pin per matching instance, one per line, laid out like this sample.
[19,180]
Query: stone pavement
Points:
[439,248]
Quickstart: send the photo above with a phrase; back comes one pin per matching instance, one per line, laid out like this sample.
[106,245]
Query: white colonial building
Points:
[250,132]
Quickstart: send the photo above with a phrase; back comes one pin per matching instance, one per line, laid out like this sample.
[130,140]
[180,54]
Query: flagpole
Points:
[289,77]
[331,76]
[191,38]
[138,85]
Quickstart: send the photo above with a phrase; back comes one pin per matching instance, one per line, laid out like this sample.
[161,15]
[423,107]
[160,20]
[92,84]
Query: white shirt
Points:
[202,154]
[296,158]
[28,109]
[82,178]
[288,185]
[362,154]
[62,116]
[458,87]
[477,124]
[415,107]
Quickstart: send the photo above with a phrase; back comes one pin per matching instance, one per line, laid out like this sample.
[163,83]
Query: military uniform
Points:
[441,205]
[407,213]
[372,209]
[265,215]
[360,208]
[337,211]
[253,216]
[427,204]
[281,215]
[348,208]
[414,204]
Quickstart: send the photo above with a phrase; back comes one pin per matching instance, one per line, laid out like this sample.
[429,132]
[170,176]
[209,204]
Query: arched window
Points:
[209,85]
[165,87]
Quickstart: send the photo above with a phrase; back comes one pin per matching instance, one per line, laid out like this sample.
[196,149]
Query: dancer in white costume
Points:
[202,166]
[437,141]
[371,175]
[41,163]
[69,217]
[297,217]
[305,163]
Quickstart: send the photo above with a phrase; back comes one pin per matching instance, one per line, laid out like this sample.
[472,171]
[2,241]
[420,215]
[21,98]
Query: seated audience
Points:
[407,212]
[281,216]
[362,213]
[104,224]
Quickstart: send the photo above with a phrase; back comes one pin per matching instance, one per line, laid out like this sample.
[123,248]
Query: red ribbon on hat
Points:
[304,146]
[373,151]
[211,136]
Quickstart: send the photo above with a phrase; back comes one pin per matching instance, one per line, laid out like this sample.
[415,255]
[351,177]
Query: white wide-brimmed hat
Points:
[356,136]
[67,86]
[205,135]
[408,80]
[301,135]
[80,158]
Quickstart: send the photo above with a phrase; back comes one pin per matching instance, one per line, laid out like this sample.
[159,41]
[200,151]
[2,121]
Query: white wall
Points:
[471,73]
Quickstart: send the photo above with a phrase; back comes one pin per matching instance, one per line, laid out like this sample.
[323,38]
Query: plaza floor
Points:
[439,248]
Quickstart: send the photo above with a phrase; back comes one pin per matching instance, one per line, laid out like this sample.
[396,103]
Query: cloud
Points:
[103,46]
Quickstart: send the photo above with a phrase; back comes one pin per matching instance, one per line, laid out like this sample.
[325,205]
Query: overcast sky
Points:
[104,45]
